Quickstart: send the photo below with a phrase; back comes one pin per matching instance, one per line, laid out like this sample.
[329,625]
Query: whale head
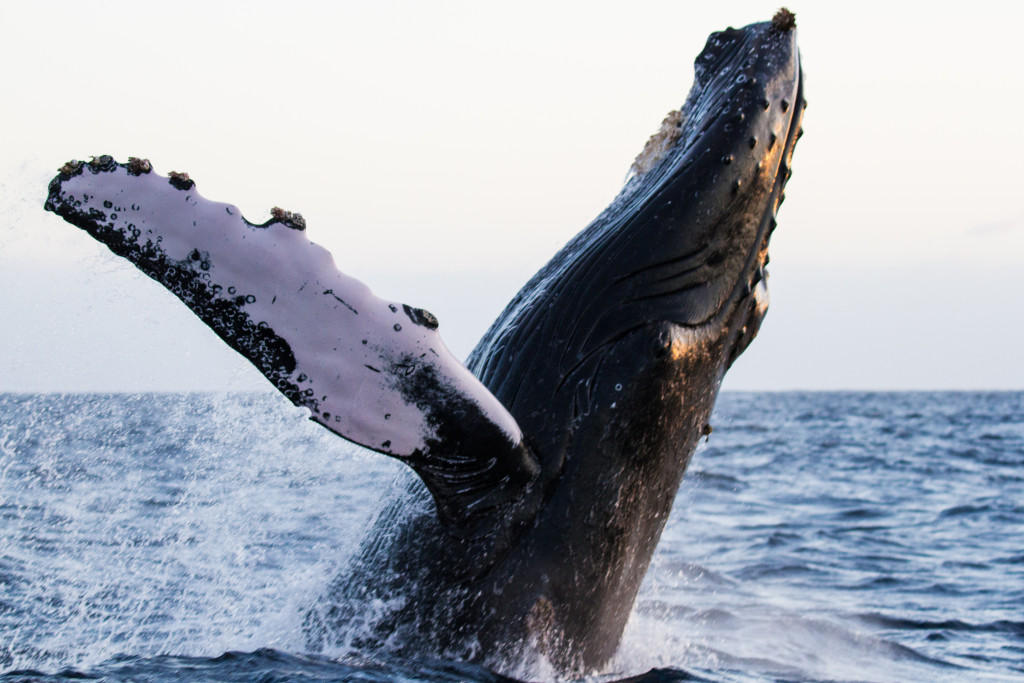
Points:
[683,248]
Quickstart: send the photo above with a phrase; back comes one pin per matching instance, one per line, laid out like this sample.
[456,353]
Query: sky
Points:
[443,151]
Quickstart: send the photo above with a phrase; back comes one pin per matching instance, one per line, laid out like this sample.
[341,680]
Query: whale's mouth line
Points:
[748,302]
[757,260]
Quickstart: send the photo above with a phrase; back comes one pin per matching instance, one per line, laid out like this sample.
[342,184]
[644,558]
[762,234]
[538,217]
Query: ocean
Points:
[816,537]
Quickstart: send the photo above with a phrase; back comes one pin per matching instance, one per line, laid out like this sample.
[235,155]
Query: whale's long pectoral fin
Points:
[372,371]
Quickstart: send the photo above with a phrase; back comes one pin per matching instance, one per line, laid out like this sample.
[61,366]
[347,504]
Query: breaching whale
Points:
[547,466]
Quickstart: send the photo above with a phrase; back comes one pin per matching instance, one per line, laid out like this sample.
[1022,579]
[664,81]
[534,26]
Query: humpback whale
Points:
[546,467]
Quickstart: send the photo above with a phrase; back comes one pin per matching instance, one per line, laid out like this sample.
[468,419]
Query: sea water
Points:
[816,536]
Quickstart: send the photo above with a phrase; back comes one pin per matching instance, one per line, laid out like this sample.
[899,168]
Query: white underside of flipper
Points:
[373,371]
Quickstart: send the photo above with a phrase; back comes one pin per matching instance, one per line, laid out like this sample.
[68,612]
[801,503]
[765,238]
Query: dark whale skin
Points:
[610,359]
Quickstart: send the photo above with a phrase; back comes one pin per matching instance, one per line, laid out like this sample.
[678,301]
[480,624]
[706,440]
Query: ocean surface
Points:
[816,537]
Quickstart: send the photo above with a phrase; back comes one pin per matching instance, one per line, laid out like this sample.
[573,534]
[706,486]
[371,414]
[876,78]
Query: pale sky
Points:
[444,151]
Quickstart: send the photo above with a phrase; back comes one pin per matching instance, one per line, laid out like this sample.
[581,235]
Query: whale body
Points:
[547,466]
